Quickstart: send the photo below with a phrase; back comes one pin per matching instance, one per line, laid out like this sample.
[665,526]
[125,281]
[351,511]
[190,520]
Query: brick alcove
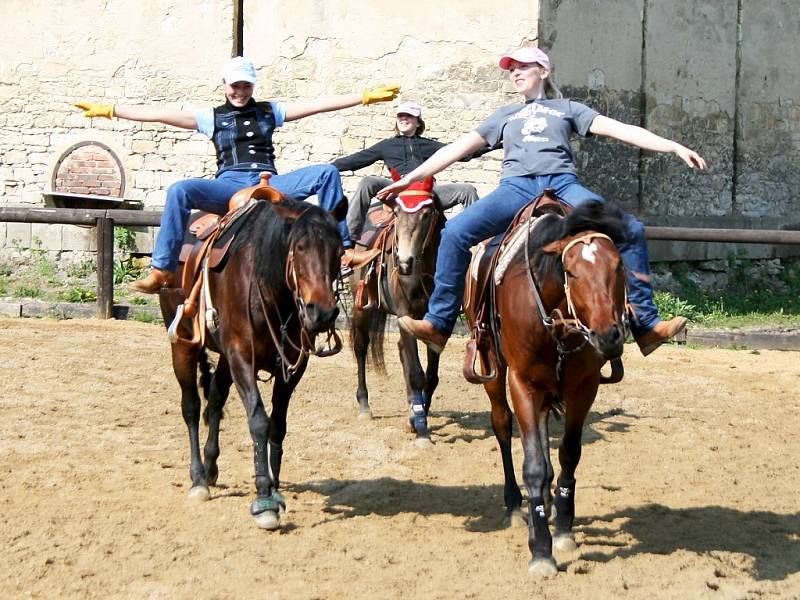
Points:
[88,174]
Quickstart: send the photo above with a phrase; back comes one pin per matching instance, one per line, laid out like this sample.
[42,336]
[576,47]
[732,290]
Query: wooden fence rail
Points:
[105,220]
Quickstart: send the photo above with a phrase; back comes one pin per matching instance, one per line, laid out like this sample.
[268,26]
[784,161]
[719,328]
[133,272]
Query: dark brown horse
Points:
[402,286]
[560,314]
[273,296]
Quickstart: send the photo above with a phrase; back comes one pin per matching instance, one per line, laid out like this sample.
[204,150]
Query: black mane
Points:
[271,235]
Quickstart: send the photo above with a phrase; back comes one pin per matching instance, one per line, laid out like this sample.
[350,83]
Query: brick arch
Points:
[89,167]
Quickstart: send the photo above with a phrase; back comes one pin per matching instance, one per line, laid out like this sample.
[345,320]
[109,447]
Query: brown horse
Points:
[402,286]
[273,296]
[560,314]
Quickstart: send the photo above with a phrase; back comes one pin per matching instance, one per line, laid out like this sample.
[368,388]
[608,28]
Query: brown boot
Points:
[663,331]
[425,331]
[154,281]
[355,257]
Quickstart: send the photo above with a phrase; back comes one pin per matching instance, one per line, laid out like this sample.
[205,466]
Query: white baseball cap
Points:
[409,108]
[239,69]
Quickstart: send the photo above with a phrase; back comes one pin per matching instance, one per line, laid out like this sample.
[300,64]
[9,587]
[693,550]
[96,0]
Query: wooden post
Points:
[105,268]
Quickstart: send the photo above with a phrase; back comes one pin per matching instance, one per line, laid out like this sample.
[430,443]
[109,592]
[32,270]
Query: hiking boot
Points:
[154,281]
[662,332]
[425,331]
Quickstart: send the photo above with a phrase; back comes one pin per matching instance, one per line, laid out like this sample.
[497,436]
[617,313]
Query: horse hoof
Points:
[542,568]
[515,519]
[565,542]
[269,520]
[365,415]
[198,493]
[423,442]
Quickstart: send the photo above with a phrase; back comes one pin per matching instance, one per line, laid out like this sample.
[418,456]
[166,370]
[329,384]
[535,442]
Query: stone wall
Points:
[718,76]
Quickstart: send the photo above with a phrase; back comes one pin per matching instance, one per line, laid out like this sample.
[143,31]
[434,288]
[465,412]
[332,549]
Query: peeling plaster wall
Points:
[54,54]
[444,57]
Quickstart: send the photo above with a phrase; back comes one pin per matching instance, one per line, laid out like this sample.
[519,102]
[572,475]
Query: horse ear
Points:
[395,173]
[556,247]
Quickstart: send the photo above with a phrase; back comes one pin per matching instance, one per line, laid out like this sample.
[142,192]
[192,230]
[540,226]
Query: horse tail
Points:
[377,326]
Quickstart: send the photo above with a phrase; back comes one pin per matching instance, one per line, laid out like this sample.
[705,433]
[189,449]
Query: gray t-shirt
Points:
[536,135]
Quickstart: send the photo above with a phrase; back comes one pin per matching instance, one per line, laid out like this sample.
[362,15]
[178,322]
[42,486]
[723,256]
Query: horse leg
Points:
[217,396]
[268,505]
[281,394]
[502,425]
[415,386]
[569,455]
[531,411]
[431,378]
[184,364]
[360,338]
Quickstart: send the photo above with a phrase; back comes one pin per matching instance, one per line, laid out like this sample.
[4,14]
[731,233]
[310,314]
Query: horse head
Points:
[417,215]
[594,288]
[312,265]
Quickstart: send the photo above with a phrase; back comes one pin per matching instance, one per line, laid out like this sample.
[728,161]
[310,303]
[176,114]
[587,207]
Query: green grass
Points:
[747,301]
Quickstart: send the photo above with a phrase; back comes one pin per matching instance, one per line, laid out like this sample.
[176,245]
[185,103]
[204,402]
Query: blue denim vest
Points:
[243,137]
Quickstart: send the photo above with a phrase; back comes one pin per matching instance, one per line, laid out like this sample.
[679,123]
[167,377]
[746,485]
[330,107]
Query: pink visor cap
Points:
[526,54]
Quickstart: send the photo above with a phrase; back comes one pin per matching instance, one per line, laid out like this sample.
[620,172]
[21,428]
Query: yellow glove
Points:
[385,93]
[95,110]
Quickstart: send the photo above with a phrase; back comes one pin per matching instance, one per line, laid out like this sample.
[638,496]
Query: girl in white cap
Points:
[535,137]
[405,151]
[241,130]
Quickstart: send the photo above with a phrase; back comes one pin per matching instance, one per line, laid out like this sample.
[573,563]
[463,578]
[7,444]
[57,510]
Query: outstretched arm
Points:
[440,160]
[150,114]
[647,140]
[298,110]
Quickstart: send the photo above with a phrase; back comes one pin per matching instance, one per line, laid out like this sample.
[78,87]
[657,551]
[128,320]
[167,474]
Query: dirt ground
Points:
[688,487]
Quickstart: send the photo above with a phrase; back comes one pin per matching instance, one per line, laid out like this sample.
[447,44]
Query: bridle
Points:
[436,216]
[572,324]
[333,341]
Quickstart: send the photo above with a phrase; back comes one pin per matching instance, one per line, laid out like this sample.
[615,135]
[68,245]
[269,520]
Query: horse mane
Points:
[602,217]
[270,235]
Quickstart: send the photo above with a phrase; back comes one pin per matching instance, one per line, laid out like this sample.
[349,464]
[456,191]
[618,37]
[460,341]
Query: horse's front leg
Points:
[267,507]
[219,389]
[360,339]
[281,394]
[184,364]
[431,378]
[415,386]
[531,412]
[577,402]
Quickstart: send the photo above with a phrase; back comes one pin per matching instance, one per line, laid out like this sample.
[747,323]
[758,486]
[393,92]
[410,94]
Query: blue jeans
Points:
[492,215]
[212,195]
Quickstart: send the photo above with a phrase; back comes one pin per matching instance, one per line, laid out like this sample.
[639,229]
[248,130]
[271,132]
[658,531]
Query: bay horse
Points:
[401,285]
[273,296]
[560,314]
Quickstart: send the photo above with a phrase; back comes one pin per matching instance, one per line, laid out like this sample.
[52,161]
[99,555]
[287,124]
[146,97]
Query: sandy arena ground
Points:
[688,487]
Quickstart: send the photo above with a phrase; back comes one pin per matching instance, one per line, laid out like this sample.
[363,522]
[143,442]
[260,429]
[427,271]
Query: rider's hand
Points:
[95,110]
[385,93]
[691,158]
[394,188]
